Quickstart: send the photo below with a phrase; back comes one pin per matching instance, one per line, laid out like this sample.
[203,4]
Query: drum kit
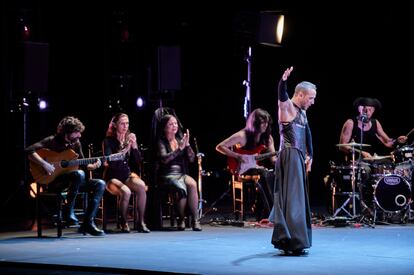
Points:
[382,185]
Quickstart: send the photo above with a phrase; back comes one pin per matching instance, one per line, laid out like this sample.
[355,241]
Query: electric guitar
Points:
[63,162]
[250,157]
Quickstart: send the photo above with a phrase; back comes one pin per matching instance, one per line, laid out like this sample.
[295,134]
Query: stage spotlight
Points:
[24,24]
[271,27]
[25,102]
[42,104]
[26,32]
[140,102]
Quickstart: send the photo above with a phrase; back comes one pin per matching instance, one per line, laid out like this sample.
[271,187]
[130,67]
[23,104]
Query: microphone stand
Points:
[352,196]
[247,99]
[201,173]
[364,120]
[22,107]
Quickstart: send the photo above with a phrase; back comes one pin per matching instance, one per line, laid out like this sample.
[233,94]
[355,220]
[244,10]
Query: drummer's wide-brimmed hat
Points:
[367,101]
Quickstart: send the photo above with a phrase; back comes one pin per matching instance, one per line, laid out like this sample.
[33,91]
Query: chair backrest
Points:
[156,118]
[155,134]
[97,173]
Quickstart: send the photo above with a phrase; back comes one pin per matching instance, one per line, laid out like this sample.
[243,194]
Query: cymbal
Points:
[374,158]
[353,144]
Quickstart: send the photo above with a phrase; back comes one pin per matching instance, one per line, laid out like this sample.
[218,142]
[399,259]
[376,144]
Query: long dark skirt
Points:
[291,213]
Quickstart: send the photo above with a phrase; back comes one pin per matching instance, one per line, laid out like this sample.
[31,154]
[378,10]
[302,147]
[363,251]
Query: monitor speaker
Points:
[169,68]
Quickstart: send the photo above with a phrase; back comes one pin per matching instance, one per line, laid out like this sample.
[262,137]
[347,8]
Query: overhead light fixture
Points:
[271,28]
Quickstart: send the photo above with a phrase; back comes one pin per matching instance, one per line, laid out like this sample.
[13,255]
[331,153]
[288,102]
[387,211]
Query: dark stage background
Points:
[97,55]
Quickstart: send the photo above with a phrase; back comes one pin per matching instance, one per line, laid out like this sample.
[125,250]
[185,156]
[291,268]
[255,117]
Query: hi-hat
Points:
[353,144]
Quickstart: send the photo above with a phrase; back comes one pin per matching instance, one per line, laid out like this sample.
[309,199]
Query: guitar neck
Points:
[84,161]
[265,155]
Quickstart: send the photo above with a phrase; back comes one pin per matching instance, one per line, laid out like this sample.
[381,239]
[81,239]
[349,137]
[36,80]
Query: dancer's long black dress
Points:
[291,212]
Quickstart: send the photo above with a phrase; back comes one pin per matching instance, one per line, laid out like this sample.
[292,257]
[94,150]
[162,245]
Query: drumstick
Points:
[412,130]
[358,150]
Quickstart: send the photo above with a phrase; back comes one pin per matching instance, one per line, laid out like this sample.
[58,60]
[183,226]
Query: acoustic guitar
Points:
[250,157]
[63,162]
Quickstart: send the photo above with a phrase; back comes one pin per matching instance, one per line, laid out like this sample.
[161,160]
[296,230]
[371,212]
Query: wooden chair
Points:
[109,200]
[50,205]
[106,216]
[244,190]
[164,211]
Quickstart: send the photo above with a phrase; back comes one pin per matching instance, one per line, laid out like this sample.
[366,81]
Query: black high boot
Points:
[90,228]
[71,181]
[69,212]
[89,225]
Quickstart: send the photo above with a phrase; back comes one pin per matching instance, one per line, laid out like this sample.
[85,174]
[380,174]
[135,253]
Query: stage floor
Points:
[218,249]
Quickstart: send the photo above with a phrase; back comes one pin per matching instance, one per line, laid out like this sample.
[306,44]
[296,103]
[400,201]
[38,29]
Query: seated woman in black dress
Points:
[120,180]
[175,153]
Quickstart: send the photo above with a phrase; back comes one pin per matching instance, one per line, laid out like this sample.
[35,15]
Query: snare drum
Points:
[392,193]
[382,169]
[342,178]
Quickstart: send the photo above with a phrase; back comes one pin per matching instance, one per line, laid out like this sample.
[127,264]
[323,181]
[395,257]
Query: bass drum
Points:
[392,193]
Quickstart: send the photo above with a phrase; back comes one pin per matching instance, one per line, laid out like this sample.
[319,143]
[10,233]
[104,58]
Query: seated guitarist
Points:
[255,138]
[66,139]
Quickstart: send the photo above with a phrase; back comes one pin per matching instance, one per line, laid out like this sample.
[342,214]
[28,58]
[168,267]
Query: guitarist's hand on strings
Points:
[49,168]
[93,166]
[241,158]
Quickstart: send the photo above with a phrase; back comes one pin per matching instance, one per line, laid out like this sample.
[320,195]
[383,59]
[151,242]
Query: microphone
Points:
[364,118]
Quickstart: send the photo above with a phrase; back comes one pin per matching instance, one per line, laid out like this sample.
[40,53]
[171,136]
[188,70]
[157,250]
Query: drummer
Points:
[372,131]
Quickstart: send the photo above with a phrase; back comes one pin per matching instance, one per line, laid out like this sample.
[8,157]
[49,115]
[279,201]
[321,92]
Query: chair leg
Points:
[59,214]
[107,214]
[41,208]
[238,198]
[171,209]
[156,209]
[134,211]
[38,213]
[103,213]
